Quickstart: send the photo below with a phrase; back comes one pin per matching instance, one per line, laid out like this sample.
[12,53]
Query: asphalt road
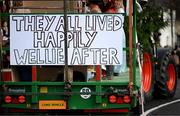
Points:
[170,110]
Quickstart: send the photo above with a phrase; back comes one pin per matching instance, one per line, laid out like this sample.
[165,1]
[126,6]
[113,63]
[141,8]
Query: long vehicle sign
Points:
[92,39]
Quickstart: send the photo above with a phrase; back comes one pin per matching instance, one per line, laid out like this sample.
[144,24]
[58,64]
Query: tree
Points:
[149,22]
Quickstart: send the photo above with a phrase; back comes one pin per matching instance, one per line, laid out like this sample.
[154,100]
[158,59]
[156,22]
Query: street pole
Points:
[65,41]
[130,45]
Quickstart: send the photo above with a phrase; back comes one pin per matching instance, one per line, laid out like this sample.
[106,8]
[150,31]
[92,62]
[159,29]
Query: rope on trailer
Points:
[140,66]
[140,70]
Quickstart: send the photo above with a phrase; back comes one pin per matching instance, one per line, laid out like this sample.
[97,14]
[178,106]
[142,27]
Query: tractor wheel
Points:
[148,76]
[167,80]
[179,71]
[178,54]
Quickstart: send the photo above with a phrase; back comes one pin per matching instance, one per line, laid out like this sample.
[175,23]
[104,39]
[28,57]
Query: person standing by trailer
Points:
[95,6]
[116,6]
[109,8]
[119,7]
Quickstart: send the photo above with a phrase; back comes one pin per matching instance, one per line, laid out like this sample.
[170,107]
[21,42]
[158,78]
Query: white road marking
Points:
[160,106]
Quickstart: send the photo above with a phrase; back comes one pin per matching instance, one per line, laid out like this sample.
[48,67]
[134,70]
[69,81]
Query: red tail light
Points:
[15,100]
[126,99]
[8,99]
[21,99]
[112,99]
[120,100]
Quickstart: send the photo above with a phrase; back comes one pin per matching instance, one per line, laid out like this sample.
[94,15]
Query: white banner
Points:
[93,39]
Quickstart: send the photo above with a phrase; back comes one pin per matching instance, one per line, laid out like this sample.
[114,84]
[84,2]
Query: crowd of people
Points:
[106,6]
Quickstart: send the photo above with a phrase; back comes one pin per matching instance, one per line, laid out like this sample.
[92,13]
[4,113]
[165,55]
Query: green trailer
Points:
[53,49]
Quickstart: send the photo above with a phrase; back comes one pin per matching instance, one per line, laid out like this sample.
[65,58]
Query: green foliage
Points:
[148,22]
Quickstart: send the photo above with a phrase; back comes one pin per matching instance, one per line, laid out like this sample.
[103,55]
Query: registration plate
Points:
[52,104]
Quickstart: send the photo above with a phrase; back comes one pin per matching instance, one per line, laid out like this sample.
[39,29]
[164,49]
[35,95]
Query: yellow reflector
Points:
[43,90]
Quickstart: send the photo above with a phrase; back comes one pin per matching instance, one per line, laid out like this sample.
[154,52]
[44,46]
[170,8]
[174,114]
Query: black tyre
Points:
[179,70]
[167,79]
[178,53]
[148,76]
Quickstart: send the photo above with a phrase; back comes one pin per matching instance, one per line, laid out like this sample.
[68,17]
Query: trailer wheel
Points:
[167,80]
[148,76]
